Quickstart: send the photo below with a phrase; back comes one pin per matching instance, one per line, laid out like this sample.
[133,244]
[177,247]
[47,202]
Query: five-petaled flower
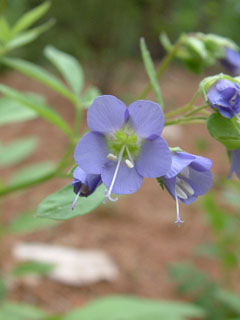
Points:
[84,184]
[188,178]
[235,163]
[124,144]
[224,95]
[232,60]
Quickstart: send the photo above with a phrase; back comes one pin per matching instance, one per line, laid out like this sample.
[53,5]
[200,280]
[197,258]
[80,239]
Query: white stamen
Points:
[109,191]
[75,200]
[112,157]
[179,220]
[180,193]
[185,172]
[129,155]
[129,164]
[185,186]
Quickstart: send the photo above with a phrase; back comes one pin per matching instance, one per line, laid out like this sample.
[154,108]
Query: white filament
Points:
[109,191]
[75,200]
[179,220]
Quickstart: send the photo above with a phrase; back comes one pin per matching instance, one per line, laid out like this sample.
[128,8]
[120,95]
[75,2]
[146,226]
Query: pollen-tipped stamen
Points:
[112,157]
[129,163]
[109,191]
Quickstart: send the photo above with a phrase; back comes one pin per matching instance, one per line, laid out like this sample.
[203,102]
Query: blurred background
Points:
[138,231]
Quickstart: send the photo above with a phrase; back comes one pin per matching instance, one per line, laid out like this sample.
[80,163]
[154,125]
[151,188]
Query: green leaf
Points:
[20,311]
[33,71]
[5,33]
[68,66]
[27,222]
[160,182]
[133,308]
[58,205]
[32,267]
[230,299]
[30,17]
[226,131]
[29,36]
[12,111]
[149,66]
[34,104]
[166,43]
[33,172]
[89,95]
[17,151]
[197,46]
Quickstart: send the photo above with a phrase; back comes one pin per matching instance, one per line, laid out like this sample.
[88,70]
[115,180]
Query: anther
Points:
[179,220]
[129,164]
[112,157]
[180,193]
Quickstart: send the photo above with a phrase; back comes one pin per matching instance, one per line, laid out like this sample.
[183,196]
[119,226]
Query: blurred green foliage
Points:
[105,31]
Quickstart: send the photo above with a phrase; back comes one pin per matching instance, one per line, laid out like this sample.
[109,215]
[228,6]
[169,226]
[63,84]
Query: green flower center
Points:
[124,137]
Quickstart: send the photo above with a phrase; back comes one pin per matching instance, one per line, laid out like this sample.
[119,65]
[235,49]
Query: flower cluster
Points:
[232,60]
[224,96]
[124,145]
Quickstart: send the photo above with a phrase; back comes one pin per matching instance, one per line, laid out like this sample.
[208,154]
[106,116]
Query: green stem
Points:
[198,109]
[163,65]
[190,120]
[183,109]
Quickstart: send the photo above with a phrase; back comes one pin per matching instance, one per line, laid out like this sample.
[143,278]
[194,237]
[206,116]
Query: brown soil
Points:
[138,231]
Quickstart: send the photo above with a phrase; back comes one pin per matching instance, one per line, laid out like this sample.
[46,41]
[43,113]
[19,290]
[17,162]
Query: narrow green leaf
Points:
[5,34]
[32,172]
[58,205]
[32,267]
[17,151]
[30,17]
[166,43]
[133,308]
[68,66]
[89,95]
[12,111]
[34,104]
[27,222]
[226,131]
[31,70]
[20,311]
[29,36]
[149,66]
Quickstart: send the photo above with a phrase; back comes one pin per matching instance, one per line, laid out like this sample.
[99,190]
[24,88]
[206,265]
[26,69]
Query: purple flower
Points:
[224,96]
[84,184]
[235,163]
[188,178]
[124,144]
[232,60]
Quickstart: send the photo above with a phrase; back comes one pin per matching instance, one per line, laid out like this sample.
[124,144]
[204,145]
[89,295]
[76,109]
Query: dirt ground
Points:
[138,231]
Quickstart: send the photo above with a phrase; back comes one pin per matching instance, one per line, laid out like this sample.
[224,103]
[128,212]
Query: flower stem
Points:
[187,107]
[201,108]
[189,120]
[162,67]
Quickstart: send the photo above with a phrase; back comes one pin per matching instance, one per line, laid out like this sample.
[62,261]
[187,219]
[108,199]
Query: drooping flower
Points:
[124,144]
[232,60]
[224,96]
[188,178]
[84,184]
[235,163]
